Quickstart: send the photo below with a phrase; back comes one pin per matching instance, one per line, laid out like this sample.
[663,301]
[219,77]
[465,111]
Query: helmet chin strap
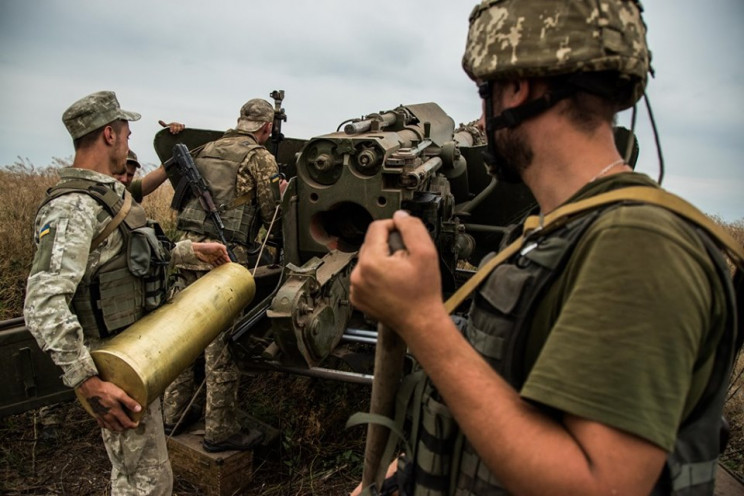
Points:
[510,118]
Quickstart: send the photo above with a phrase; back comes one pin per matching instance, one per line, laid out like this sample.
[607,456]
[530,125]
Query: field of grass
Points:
[314,454]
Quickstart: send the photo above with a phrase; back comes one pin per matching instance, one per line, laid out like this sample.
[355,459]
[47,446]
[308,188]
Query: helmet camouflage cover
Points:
[541,38]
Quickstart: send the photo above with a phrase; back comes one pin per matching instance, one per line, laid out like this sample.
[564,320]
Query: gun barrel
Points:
[385,120]
[414,178]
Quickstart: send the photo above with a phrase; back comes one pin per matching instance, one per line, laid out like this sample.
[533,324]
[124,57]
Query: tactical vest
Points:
[134,281]
[440,461]
[218,164]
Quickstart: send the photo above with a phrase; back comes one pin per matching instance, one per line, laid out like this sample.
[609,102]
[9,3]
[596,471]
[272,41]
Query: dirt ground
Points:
[313,455]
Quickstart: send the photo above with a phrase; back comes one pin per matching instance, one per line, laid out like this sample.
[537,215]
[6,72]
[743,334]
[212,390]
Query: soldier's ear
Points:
[109,135]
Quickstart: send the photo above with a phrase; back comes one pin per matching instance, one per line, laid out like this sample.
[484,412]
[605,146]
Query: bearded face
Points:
[509,154]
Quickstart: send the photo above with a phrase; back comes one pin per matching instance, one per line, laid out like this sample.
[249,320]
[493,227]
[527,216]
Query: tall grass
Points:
[23,189]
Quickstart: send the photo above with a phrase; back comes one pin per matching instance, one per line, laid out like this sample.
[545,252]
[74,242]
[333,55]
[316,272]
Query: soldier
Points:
[80,288]
[139,188]
[595,360]
[238,170]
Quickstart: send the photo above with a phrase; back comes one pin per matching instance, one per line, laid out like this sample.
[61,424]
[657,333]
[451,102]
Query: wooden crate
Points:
[217,474]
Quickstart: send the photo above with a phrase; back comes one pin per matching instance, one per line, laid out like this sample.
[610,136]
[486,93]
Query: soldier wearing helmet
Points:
[595,357]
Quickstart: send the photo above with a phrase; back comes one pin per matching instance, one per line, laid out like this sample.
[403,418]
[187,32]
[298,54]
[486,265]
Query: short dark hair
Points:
[596,99]
[87,140]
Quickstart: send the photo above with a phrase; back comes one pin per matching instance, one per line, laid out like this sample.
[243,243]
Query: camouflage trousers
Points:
[222,381]
[139,457]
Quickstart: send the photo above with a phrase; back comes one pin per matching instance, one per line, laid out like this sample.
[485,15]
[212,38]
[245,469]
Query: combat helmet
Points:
[541,38]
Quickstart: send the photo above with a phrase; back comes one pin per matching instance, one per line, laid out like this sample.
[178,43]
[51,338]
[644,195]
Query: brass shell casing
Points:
[147,356]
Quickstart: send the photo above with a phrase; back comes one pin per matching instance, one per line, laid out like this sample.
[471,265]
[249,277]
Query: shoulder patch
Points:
[46,229]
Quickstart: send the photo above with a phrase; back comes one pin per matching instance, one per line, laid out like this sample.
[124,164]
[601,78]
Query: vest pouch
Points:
[495,312]
[120,300]
[238,223]
[147,259]
[434,447]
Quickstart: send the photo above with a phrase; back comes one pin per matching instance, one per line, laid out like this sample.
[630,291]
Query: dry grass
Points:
[157,206]
[314,454]
[23,190]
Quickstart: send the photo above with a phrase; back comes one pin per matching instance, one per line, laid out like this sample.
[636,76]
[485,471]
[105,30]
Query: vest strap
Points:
[360,418]
[560,216]
[118,218]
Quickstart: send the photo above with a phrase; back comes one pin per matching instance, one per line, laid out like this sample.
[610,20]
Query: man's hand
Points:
[211,253]
[109,402]
[392,468]
[397,289]
[173,127]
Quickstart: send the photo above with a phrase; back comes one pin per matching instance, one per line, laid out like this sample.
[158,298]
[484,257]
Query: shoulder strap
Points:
[118,218]
[103,195]
[562,215]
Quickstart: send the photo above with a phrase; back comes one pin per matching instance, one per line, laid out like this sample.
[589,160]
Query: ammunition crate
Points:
[217,474]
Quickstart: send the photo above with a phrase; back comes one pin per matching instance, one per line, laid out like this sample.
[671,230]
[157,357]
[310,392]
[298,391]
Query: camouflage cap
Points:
[132,159]
[94,111]
[254,114]
[540,38]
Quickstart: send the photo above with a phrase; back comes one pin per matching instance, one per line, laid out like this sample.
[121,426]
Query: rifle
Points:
[279,116]
[192,181]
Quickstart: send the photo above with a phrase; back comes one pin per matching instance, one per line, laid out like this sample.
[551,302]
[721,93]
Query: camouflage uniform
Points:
[64,229]
[253,177]
[72,221]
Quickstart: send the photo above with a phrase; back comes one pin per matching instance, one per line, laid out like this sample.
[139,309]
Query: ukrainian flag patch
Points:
[45,230]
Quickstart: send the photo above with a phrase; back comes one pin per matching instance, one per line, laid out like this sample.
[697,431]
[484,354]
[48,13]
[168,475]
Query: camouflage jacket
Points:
[73,221]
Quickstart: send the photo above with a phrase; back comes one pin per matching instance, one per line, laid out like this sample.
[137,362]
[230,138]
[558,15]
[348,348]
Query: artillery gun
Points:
[410,157]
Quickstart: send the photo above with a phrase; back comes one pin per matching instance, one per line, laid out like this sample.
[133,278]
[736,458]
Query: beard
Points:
[509,155]
[118,167]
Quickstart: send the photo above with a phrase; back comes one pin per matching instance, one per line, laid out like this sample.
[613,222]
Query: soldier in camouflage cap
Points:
[579,369]
[238,171]
[77,292]
[254,114]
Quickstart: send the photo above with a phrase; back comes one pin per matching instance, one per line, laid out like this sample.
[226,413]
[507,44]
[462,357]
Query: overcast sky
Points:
[197,62]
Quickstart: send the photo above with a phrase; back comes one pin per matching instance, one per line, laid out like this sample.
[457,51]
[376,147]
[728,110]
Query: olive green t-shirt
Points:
[626,335]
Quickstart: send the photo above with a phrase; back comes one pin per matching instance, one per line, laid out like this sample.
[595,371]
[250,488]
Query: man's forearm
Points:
[529,452]
[153,180]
